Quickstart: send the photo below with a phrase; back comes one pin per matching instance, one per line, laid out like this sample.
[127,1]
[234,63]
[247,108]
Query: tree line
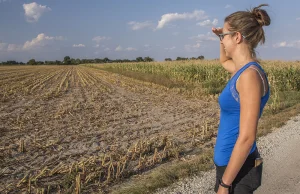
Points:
[201,57]
[71,61]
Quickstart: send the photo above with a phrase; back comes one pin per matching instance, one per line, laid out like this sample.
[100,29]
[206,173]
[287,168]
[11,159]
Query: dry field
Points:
[79,129]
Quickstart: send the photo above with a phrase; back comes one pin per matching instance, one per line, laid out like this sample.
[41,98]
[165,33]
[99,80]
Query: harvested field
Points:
[92,128]
[81,129]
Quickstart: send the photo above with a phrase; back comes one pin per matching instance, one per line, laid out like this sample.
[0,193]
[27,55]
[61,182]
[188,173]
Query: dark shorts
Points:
[247,180]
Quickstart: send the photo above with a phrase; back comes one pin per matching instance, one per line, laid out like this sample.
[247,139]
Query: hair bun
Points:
[261,15]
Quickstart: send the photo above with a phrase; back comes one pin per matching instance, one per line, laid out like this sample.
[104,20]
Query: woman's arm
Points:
[226,62]
[249,87]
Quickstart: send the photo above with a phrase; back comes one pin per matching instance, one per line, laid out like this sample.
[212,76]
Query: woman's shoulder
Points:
[250,73]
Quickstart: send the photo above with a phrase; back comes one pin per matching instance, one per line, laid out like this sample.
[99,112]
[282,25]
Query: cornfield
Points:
[210,76]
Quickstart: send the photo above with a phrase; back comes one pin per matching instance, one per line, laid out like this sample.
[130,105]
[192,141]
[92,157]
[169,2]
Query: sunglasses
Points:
[221,36]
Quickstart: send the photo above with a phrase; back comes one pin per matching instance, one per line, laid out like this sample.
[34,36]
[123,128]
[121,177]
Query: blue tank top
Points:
[228,130]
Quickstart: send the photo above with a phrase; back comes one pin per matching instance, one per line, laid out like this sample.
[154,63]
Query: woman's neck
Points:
[241,59]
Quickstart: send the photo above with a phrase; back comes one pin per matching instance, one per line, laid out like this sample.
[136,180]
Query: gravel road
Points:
[281,173]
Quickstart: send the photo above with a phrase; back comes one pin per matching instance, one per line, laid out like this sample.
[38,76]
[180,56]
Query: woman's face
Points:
[228,41]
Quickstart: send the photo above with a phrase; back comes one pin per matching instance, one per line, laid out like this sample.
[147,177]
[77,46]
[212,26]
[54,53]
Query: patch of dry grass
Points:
[166,174]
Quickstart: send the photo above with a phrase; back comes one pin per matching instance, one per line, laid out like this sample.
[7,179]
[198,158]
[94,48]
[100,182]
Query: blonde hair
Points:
[249,23]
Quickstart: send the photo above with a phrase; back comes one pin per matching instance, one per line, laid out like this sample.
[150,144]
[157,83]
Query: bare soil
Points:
[80,113]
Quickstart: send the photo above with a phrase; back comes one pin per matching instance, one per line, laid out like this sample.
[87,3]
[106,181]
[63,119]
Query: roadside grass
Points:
[166,174]
[271,121]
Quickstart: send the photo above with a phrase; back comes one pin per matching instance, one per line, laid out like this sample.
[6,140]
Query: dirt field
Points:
[74,128]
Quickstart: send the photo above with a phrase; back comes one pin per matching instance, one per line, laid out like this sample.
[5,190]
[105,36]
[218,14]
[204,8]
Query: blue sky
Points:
[52,29]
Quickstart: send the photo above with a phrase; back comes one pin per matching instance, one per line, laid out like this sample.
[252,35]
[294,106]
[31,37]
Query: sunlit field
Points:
[206,78]
[88,128]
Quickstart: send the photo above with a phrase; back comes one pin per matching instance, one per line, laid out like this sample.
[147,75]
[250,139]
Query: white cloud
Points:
[170,17]
[292,44]
[202,37]
[98,39]
[192,48]
[228,6]
[78,45]
[147,47]
[130,49]
[196,45]
[171,48]
[14,47]
[140,25]
[208,23]
[280,44]
[107,49]
[34,11]
[10,47]
[3,46]
[119,48]
[295,44]
[298,18]
[40,41]
[2,1]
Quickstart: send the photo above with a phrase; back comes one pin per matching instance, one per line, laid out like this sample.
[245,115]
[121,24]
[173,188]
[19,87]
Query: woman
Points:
[238,164]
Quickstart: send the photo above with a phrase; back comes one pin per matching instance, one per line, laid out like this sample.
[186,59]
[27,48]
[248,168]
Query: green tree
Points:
[40,62]
[73,61]
[148,59]
[106,60]
[98,60]
[77,61]
[67,60]
[139,59]
[181,59]
[31,62]
[57,62]
[168,59]
[201,57]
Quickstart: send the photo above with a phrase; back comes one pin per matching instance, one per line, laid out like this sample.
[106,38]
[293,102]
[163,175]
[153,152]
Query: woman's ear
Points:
[238,38]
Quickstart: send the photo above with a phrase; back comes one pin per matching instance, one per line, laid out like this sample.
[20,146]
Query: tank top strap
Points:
[240,71]
[235,77]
